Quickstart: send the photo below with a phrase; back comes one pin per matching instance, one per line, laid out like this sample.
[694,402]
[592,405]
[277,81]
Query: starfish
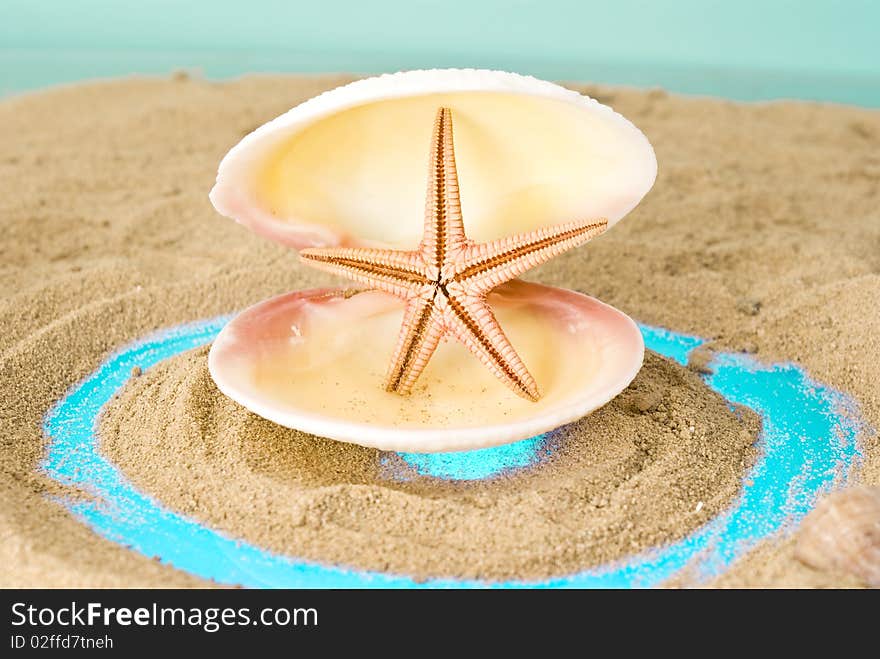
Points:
[445,282]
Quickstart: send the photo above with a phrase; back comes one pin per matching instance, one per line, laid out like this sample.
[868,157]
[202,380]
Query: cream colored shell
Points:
[349,166]
[314,361]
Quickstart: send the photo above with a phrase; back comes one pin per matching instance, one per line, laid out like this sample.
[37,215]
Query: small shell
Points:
[843,533]
[348,167]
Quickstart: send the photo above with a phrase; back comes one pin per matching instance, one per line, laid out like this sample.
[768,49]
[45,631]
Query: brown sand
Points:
[762,232]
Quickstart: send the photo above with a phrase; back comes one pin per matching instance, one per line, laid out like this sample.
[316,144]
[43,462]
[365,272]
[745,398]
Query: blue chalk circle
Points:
[808,441]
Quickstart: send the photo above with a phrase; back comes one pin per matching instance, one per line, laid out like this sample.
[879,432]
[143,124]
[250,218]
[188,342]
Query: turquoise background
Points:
[746,49]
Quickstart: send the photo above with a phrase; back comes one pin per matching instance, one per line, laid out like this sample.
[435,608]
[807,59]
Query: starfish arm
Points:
[395,272]
[444,230]
[472,322]
[419,335]
[489,264]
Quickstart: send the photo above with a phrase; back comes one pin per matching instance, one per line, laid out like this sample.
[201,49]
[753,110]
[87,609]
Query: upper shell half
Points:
[349,167]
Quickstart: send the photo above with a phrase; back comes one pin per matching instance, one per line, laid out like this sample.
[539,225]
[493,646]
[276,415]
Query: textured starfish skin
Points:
[446,280]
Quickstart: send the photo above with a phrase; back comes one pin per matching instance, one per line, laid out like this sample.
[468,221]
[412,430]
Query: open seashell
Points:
[347,167]
[312,360]
[342,178]
[843,533]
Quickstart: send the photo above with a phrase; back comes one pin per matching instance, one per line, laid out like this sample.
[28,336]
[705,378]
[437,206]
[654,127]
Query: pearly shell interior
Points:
[348,167]
[314,360]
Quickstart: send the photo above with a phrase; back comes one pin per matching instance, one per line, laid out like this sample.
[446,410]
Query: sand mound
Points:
[662,459]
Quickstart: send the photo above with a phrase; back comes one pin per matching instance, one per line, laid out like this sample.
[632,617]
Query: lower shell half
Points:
[316,360]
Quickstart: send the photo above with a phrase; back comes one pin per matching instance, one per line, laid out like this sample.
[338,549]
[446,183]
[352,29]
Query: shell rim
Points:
[430,440]
[231,200]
